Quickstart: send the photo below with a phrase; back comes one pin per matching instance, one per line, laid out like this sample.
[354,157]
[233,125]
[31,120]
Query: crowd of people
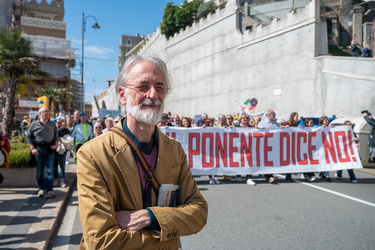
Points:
[54,141]
[269,121]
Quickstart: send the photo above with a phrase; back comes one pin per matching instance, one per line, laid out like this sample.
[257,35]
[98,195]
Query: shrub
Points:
[18,154]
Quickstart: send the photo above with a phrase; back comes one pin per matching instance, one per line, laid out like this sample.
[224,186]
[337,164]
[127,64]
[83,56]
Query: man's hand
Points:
[34,151]
[133,220]
[54,147]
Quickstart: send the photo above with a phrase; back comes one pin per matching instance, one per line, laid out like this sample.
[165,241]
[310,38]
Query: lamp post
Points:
[95,26]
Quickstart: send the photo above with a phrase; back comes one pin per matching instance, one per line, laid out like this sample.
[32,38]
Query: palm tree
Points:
[55,96]
[16,62]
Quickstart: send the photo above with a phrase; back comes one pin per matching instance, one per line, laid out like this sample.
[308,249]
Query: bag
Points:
[68,142]
[61,149]
[31,160]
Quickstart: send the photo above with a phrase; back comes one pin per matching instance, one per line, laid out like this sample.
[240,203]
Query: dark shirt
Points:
[42,134]
[62,132]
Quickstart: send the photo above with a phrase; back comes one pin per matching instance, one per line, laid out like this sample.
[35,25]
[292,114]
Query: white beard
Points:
[149,116]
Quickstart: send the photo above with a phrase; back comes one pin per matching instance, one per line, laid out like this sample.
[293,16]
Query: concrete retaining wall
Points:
[215,67]
[19,177]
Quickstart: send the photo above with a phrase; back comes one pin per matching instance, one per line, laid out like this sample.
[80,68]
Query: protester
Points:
[176,120]
[97,131]
[62,131]
[42,137]
[75,119]
[269,122]
[222,122]
[244,123]
[165,120]
[324,122]
[371,140]
[117,202]
[108,124]
[230,121]
[81,133]
[310,176]
[338,174]
[25,124]
[186,122]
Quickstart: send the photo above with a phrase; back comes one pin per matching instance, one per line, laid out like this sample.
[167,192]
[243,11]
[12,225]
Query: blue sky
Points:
[116,18]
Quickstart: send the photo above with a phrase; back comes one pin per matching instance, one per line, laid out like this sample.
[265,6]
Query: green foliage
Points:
[177,18]
[205,9]
[19,152]
[168,27]
[222,5]
[16,62]
[18,158]
[187,13]
[54,95]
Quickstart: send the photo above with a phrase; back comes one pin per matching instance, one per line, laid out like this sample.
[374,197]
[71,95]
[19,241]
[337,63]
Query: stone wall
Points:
[215,67]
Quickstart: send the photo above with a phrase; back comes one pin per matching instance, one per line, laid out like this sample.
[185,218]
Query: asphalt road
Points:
[298,215]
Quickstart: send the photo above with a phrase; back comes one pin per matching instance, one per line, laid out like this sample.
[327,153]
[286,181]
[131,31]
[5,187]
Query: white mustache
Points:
[150,102]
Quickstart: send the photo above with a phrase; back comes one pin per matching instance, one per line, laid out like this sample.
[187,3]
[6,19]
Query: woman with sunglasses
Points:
[230,121]
[97,130]
[222,122]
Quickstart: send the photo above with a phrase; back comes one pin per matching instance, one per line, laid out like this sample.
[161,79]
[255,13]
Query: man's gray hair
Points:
[42,109]
[109,119]
[134,60]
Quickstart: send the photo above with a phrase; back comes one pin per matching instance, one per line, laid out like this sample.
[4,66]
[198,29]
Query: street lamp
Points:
[95,26]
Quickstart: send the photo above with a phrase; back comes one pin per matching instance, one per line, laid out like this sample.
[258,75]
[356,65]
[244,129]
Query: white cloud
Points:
[97,51]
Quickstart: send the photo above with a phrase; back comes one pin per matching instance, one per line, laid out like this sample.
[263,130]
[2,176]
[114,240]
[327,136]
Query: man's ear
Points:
[122,95]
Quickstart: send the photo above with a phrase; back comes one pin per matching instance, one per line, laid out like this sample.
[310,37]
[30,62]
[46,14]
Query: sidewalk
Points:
[28,221]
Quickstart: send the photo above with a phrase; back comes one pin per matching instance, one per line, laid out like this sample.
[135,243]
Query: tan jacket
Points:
[108,181]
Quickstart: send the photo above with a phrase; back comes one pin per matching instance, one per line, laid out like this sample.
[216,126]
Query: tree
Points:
[16,61]
[55,96]
[187,13]
[205,9]
[168,25]
[176,18]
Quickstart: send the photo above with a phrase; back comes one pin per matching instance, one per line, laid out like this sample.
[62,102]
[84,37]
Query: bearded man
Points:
[117,196]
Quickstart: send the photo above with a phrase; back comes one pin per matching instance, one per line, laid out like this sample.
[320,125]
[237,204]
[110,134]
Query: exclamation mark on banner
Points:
[350,139]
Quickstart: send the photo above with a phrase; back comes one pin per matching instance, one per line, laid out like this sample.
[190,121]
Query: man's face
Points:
[109,124]
[145,105]
[176,119]
[271,116]
[83,119]
[76,116]
[44,114]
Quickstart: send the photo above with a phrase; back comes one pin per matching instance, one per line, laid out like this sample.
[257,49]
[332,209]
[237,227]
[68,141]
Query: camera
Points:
[365,111]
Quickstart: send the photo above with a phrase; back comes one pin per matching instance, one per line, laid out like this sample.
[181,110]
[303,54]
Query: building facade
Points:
[44,24]
[127,44]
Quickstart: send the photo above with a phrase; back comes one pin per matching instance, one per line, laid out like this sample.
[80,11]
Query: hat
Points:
[164,115]
[83,114]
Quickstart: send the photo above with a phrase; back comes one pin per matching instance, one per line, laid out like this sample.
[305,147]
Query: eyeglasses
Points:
[244,118]
[144,88]
[98,127]
[230,118]
[221,118]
